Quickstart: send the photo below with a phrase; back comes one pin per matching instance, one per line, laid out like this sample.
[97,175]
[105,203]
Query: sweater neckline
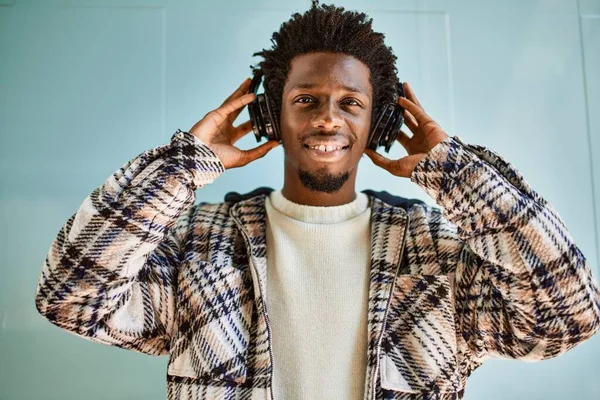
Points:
[319,214]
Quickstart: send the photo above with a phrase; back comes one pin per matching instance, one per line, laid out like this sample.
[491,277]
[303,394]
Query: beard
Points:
[323,181]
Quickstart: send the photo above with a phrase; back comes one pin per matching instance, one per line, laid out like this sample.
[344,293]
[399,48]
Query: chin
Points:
[323,180]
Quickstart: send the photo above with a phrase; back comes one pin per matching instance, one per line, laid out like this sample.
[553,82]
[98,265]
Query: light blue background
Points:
[86,85]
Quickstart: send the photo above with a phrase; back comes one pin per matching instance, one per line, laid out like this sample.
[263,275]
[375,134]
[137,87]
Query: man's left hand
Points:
[426,134]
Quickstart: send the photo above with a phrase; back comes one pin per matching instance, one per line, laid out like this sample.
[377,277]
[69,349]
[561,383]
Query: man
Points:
[316,291]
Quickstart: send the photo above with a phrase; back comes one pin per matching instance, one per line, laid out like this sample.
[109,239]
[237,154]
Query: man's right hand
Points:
[217,131]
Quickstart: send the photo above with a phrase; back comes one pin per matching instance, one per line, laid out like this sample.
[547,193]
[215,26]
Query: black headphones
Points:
[266,124]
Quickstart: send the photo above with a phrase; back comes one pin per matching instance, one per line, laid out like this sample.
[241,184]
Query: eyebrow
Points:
[312,85]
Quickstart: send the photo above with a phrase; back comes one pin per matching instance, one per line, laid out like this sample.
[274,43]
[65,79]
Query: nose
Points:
[328,116]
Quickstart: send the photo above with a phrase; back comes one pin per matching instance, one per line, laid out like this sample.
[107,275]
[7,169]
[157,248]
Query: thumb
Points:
[378,159]
[402,167]
[258,152]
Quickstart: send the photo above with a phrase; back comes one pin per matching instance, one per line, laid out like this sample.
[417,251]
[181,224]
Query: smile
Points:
[325,148]
[326,153]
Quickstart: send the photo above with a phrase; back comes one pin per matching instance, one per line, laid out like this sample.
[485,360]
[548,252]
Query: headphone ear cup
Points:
[389,122]
[385,135]
[395,127]
[254,117]
[260,116]
[379,128]
[398,118]
[273,120]
[267,126]
[258,125]
[376,131]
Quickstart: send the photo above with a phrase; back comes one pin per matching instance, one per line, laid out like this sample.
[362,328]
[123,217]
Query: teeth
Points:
[322,147]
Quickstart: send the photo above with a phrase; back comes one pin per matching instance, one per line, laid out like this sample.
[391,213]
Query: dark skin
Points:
[336,106]
[327,100]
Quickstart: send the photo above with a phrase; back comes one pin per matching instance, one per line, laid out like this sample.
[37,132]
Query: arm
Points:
[523,288]
[110,274]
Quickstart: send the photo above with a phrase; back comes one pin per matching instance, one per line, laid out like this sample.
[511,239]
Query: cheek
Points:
[290,124]
[361,128]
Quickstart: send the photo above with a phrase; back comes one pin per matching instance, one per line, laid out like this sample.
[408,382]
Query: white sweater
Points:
[317,297]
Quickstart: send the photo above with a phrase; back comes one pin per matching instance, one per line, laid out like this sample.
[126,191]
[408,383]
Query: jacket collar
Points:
[388,227]
[388,221]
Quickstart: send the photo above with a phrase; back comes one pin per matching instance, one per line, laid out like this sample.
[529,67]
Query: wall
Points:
[86,85]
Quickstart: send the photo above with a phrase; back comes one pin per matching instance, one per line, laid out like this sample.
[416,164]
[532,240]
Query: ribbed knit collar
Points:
[318,214]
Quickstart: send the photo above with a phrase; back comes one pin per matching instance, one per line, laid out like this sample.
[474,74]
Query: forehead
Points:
[328,71]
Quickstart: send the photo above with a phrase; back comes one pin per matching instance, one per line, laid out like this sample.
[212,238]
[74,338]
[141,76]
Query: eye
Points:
[351,102]
[302,99]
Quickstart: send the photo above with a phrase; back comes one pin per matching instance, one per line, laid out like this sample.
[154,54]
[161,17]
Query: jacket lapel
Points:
[388,229]
[250,218]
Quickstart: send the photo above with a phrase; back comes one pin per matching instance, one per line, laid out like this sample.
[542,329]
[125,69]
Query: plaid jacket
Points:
[492,273]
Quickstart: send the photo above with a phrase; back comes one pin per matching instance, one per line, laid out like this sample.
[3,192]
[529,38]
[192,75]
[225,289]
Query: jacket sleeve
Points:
[523,289]
[110,274]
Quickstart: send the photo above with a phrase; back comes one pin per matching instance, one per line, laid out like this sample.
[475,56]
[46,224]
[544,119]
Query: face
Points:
[325,118]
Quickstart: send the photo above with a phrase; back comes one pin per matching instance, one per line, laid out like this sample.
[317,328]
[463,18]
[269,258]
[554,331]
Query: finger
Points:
[243,88]
[241,131]
[379,160]
[411,94]
[258,152]
[406,165]
[233,105]
[410,121]
[403,138]
[232,117]
[420,115]
[240,91]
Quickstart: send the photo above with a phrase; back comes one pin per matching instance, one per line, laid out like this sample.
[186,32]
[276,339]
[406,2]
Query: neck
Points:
[296,192]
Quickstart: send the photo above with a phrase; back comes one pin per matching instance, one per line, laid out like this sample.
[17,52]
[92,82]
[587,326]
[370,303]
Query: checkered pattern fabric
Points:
[491,272]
